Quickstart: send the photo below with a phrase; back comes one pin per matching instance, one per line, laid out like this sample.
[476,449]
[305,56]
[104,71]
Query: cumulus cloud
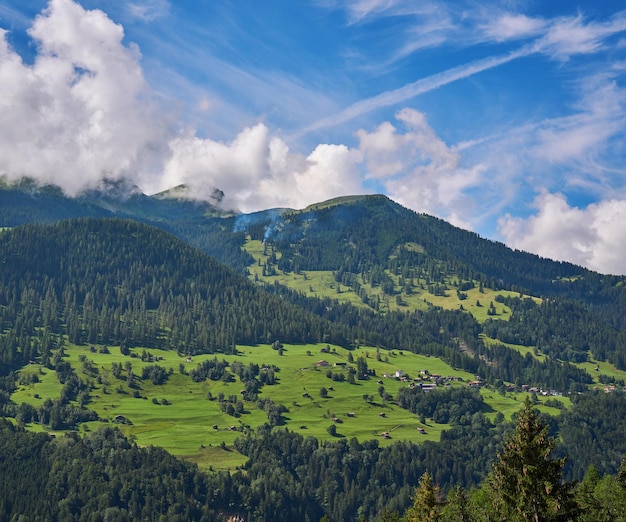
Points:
[416,167]
[82,110]
[256,171]
[593,236]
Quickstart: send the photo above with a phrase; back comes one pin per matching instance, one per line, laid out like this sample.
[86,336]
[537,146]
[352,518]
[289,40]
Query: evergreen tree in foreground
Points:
[525,481]
[426,501]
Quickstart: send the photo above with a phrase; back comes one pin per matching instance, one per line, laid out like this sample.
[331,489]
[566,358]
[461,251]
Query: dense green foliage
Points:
[593,433]
[120,282]
[526,480]
[564,330]
[102,477]
[290,477]
[448,406]
[124,283]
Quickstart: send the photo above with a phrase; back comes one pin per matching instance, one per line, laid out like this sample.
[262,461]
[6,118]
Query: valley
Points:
[252,346]
[179,416]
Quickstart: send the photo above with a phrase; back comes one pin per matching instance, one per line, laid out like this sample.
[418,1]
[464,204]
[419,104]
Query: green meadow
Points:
[185,418]
[592,367]
[322,284]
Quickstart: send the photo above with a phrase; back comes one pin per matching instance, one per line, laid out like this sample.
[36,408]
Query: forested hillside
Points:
[146,282]
[104,476]
[122,282]
[373,238]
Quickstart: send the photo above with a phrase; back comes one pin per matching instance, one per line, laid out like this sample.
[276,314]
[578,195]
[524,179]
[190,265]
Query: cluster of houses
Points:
[538,391]
[426,381]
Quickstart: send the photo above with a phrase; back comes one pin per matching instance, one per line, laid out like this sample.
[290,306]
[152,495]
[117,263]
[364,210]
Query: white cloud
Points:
[417,168]
[583,141]
[148,10]
[580,153]
[569,36]
[82,110]
[593,236]
[513,27]
[256,171]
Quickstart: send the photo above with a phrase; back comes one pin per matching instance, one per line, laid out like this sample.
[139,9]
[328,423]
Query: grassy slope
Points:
[185,426]
[322,284]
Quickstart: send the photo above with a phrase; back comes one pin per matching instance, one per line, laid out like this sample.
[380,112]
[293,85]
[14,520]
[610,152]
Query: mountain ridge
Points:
[347,234]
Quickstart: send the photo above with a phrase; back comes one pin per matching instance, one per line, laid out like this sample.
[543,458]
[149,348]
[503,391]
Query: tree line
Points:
[480,471]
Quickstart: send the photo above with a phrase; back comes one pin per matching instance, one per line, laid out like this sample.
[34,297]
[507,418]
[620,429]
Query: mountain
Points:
[112,281]
[93,290]
[343,232]
[387,260]
[201,224]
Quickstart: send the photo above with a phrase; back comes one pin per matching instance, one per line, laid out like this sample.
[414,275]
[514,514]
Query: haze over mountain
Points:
[503,119]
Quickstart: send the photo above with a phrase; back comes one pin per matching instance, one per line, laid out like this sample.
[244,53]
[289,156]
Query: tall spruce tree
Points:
[526,482]
[426,501]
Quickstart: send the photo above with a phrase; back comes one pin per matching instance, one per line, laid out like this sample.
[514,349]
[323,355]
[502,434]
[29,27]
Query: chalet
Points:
[422,431]
[351,414]
[322,363]
[385,434]
[382,414]
[475,384]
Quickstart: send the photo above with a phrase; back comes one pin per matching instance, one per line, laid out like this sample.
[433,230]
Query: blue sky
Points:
[506,118]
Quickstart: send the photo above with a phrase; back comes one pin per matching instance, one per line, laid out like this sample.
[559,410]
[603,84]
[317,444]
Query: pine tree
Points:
[458,506]
[525,481]
[426,502]
[621,474]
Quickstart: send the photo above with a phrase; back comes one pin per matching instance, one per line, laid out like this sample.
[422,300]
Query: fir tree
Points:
[526,481]
[426,502]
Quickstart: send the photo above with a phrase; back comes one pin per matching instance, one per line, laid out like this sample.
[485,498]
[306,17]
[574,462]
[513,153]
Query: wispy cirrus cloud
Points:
[422,86]
[558,39]
[511,26]
[568,36]
[148,10]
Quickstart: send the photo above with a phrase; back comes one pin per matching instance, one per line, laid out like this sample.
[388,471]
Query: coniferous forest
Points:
[171,284]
